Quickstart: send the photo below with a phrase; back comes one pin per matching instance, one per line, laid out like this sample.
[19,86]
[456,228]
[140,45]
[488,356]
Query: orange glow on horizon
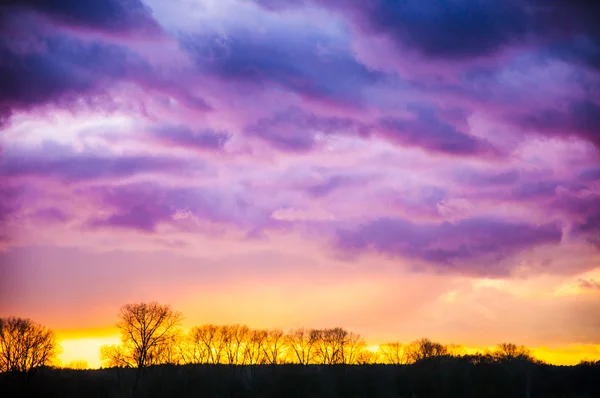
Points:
[85,345]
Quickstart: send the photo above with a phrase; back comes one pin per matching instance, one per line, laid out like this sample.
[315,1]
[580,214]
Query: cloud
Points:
[49,215]
[473,246]
[291,214]
[591,228]
[270,57]
[581,118]
[62,71]
[426,130]
[588,284]
[73,167]
[296,130]
[143,206]
[591,174]
[460,30]
[457,29]
[185,137]
[141,216]
[454,30]
[107,15]
[334,183]
[478,178]
[9,203]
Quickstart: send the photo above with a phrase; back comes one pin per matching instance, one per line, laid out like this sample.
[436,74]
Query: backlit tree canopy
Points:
[149,332]
[25,345]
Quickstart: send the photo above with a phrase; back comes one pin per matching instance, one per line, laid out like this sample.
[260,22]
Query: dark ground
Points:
[447,377]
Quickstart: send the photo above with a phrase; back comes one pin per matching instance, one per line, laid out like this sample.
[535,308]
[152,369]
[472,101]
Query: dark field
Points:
[449,377]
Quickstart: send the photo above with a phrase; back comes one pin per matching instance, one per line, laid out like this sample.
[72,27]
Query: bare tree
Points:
[353,347]
[299,344]
[25,345]
[425,349]
[367,357]
[509,351]
[241,336]
[206,344]
[78,364]
[198,347]
[148,333]
[234,337]
[329,345]
[456,350]
[116,356]
[254,347]
[170,351]
[394,353]
[273,347]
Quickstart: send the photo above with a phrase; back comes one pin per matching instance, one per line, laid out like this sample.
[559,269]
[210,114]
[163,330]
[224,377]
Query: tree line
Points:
[151,334]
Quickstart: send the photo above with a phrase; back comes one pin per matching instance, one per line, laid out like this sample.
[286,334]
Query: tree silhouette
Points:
[425,349]
[116,356]
[254,347]
[300,345]
[25,345]
[274,346]
[205,345]
[510,351]
[148,333]
[394,353]
[353,348]
[78,364]
[336,346]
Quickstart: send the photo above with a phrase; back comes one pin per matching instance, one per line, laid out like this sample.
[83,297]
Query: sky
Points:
[402,169]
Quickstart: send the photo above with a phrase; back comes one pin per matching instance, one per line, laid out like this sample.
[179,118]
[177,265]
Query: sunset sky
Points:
[402,169]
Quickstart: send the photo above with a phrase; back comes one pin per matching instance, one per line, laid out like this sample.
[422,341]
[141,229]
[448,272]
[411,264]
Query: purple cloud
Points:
[50,215]
[14,199]
[478,178]
[429,132]
[79,167]
[481,98]
[64,71]
[108,15]
[143,206]
[580,118]
[9,200]
[591,227]
[461,29]
[271,57]
[458,29]
[295,130]
[139,217]
[473,246]
[591,174]
[334,183]
[185,137]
